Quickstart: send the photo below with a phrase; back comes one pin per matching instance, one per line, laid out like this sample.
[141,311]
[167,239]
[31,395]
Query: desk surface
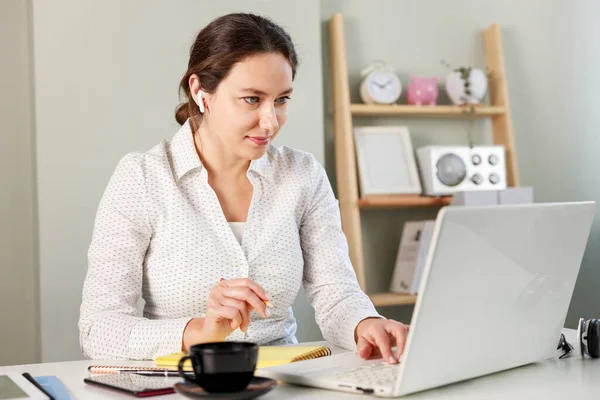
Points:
[572,377]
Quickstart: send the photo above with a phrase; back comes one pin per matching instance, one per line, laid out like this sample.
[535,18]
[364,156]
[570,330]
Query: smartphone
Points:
[133,384]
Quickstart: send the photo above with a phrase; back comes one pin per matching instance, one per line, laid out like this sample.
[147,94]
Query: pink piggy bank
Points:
[422,91]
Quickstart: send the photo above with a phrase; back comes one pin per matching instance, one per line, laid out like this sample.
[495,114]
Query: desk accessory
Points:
[146,371]
[257,387]
[123,369]
[30,378]
[14,386]
[588,340]
[565,346]
[221,366]
[132,384]
[268,356]
[54,387]
[588,335]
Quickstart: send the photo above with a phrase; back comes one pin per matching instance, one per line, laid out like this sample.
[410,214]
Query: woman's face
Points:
[250,105]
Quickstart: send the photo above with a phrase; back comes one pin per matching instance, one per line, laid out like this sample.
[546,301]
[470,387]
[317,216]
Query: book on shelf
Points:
[411,256]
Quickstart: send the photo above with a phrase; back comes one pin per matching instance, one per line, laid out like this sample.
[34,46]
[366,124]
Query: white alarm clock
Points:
[380,85]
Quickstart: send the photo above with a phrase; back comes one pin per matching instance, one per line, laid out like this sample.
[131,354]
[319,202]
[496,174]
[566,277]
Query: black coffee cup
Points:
[221,366]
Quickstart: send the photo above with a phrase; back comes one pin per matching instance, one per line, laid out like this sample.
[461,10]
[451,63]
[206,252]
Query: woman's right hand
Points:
[228,308]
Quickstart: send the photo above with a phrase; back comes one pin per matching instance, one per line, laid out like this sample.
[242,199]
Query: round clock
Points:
[380,85]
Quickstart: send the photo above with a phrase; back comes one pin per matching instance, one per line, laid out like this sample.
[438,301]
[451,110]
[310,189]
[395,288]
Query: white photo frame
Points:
[386,161]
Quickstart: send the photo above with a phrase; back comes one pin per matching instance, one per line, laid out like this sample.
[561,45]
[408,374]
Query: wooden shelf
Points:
[463,112]
[392,299]
[344,114]
[395,201]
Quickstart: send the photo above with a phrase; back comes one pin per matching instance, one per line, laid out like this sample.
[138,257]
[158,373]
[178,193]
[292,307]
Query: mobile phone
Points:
[133,384]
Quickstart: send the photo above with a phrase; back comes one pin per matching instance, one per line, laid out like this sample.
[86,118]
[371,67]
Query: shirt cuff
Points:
[153,338]
[347,335]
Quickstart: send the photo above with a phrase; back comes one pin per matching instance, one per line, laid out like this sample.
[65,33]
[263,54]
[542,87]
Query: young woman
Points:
[217,228]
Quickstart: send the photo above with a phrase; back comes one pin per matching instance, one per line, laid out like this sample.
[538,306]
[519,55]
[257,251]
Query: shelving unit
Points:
[345,156]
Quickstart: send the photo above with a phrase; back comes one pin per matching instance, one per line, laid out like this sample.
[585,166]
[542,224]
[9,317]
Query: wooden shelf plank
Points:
[397,201]
[392,299]
[464,112]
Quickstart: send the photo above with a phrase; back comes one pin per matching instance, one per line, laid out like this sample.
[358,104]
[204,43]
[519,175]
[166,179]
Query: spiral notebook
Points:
[268,356]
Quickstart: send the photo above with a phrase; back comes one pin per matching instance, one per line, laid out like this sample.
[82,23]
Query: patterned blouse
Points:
[160,233]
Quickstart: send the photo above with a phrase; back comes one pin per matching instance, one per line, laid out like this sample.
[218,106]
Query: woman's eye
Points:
[282,100]
[251,100]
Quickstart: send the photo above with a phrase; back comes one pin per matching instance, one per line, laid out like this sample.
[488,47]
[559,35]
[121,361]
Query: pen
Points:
[149,371]
[30,378]
[166,374]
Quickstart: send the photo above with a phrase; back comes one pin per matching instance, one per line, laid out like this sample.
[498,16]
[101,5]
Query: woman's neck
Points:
[215,158]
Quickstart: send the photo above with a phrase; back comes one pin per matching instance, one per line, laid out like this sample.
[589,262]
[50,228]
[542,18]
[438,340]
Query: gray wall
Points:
[18,280]
[106,79]
[552,63]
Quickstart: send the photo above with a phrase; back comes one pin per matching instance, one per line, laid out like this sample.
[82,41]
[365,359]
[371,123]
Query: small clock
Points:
[380,85]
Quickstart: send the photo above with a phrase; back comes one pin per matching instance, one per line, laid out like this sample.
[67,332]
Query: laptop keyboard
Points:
[380,374]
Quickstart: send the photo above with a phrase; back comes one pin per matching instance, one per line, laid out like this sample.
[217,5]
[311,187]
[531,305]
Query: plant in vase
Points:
[466,85]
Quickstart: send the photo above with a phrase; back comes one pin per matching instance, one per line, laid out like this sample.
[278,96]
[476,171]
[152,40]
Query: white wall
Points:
[18,272]
[106,79]
[552,63]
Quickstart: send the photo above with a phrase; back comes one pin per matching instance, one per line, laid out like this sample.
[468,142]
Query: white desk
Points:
[570,378]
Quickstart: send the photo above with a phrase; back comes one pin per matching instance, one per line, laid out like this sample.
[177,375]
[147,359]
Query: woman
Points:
[215,224]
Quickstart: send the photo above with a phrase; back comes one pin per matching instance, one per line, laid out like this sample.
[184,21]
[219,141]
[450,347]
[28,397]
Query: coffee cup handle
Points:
[182,372]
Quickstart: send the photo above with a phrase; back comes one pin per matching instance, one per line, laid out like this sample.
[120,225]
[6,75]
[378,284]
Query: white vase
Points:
[455,87]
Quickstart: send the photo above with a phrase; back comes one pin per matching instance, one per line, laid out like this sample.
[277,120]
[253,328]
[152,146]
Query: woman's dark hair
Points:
[224,42]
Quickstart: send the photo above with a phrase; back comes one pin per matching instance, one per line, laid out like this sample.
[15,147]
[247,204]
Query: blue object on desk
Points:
[55,387]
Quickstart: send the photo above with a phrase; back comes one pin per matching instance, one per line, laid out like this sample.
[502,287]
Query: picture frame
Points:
[386,161]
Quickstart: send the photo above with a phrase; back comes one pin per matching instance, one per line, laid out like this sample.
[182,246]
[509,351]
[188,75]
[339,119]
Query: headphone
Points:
[588,335]
[201,101]
[588,339]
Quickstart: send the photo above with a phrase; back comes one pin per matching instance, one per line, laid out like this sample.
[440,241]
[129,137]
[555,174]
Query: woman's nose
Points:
[268,120]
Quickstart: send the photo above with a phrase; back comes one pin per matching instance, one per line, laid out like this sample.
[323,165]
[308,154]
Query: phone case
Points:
[132,384]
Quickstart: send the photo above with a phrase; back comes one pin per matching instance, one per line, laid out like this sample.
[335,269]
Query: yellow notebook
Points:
[268,356]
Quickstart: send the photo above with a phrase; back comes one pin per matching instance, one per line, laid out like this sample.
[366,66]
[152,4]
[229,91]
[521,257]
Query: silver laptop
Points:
[495,291]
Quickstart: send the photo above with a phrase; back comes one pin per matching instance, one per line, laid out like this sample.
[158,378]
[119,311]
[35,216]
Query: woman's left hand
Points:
[374,334]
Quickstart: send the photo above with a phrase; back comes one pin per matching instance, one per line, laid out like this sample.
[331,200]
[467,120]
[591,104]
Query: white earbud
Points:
[200,101]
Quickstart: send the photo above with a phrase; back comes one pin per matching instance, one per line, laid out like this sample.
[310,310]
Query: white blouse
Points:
[160,233]
[238,230]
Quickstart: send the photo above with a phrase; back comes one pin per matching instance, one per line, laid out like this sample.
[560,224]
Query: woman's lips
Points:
[260,141]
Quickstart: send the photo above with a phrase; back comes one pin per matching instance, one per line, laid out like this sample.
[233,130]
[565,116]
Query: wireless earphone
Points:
[201,101]
[588,334]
